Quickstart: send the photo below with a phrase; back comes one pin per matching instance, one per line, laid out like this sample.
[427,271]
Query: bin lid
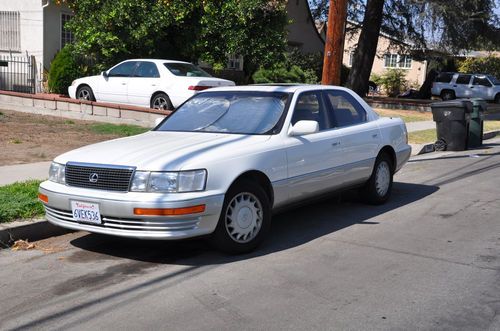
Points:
[459,103]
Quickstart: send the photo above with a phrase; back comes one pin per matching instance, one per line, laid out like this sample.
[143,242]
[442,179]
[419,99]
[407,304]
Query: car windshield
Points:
[229,112]
[186,70]
[494,80]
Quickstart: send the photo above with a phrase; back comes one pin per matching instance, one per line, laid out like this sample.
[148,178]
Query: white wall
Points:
[31,17]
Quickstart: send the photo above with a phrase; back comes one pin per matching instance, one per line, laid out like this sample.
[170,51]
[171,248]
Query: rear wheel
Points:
[85,93]
[497,98]
[447,95]
[377,189]
[161,101]
[245,219]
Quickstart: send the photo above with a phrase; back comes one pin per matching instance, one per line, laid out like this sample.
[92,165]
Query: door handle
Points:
[472,87]
[375,135]
[124,83]
[336,143]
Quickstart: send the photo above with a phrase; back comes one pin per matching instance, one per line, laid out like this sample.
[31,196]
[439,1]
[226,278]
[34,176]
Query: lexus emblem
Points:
[93,178]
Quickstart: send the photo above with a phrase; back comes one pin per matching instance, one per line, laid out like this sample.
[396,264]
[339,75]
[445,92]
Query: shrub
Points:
[281,74]
[393,81]
[63,70]
[483,65]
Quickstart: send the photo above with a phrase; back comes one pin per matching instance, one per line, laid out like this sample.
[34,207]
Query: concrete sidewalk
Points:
[21,172]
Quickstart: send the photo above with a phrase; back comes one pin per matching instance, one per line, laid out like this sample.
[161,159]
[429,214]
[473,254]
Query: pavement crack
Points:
[396,251]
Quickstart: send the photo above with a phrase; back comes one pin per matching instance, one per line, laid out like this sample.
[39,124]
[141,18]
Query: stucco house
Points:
[33,27]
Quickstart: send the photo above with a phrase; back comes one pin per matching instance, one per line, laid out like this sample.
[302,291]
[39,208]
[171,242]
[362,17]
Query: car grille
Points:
[110,178]
[127,224]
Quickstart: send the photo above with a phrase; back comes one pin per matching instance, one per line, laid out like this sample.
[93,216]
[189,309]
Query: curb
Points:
[428,148]
[28,230]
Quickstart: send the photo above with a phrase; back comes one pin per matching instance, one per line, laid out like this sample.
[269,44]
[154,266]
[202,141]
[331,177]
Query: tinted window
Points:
[345,110]
[310,108]
[494,80]
[229,112]
[186,69]
[125,69]
[481,80]
[444,77]
[147,69]
[463,79]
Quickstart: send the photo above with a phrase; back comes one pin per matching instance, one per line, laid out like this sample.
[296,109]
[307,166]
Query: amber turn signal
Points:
[169,211]
[43,197]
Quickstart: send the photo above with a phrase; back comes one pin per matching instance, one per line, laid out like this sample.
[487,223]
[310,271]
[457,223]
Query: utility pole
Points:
[334,45]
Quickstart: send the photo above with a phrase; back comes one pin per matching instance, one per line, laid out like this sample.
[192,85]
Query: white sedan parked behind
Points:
[159,84]
[223,161]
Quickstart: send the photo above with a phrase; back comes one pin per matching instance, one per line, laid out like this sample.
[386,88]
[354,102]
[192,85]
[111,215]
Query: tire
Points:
[85,93]
[497,98]
[245,219]
[377,189]
[447,95]
[161,101]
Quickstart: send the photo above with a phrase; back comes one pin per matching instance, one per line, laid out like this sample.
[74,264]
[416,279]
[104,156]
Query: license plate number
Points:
[87,212]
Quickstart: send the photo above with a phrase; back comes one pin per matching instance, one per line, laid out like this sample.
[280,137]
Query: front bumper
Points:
[117,212]
[72,91]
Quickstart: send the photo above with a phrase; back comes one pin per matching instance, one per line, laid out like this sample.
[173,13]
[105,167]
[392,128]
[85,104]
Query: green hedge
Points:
[63,70]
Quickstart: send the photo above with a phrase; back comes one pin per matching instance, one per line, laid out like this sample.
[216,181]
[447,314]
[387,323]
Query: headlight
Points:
[57,173]
[179,181]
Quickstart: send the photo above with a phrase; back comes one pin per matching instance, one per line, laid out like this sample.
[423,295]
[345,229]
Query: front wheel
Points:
[85,93]
[377,189]
[497,98]
[245,219]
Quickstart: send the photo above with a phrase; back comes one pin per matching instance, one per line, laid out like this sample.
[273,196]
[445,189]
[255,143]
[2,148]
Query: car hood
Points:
[161,150]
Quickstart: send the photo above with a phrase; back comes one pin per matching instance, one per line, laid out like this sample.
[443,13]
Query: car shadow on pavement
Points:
[290,229]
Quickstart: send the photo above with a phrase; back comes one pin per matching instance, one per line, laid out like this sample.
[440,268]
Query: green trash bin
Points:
[476,123]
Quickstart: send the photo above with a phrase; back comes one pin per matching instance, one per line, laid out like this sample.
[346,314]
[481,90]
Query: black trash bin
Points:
[476,124]
[452,124]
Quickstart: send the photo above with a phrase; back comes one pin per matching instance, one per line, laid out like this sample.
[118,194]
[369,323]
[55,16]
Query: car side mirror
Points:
[105,74]
[302,128]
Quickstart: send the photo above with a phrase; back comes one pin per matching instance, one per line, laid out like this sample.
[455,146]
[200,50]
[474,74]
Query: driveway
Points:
[428,259]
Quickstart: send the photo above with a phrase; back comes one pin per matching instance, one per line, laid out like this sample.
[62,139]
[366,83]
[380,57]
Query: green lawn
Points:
[20,201]
[406,115]
[123,130]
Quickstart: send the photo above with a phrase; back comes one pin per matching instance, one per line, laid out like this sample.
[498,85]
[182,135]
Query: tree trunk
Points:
[367,47]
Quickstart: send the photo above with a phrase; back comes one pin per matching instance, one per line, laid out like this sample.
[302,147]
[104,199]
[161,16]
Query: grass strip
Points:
[20,201]
[123,130]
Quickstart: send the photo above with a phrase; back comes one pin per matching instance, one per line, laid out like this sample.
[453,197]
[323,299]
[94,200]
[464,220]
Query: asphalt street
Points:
[428,259]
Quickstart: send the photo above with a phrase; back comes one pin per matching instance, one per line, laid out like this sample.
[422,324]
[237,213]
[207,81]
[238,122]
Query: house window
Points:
[10,31]
[397,61]
[235,62]
[66,35]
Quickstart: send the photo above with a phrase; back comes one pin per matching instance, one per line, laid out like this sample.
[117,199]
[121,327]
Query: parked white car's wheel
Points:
[245,219]
[378,188]
[161,101]
[85,93]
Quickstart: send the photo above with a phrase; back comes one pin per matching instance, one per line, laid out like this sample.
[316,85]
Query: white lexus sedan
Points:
[158,84]
[223,161]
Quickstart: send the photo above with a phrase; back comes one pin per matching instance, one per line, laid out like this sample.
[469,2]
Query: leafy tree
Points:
[254,29]
[282,74]
[486,65]
[443,25]
[110,31]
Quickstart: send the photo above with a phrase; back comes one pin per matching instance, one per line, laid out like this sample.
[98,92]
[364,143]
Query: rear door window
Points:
[147,70]
[463,79]
[481,80]
[344,109]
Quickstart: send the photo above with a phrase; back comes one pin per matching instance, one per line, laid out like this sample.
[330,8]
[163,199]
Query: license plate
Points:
[86,212]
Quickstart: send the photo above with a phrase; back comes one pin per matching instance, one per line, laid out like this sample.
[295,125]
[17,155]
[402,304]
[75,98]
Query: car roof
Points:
[160,61]
[287,88]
